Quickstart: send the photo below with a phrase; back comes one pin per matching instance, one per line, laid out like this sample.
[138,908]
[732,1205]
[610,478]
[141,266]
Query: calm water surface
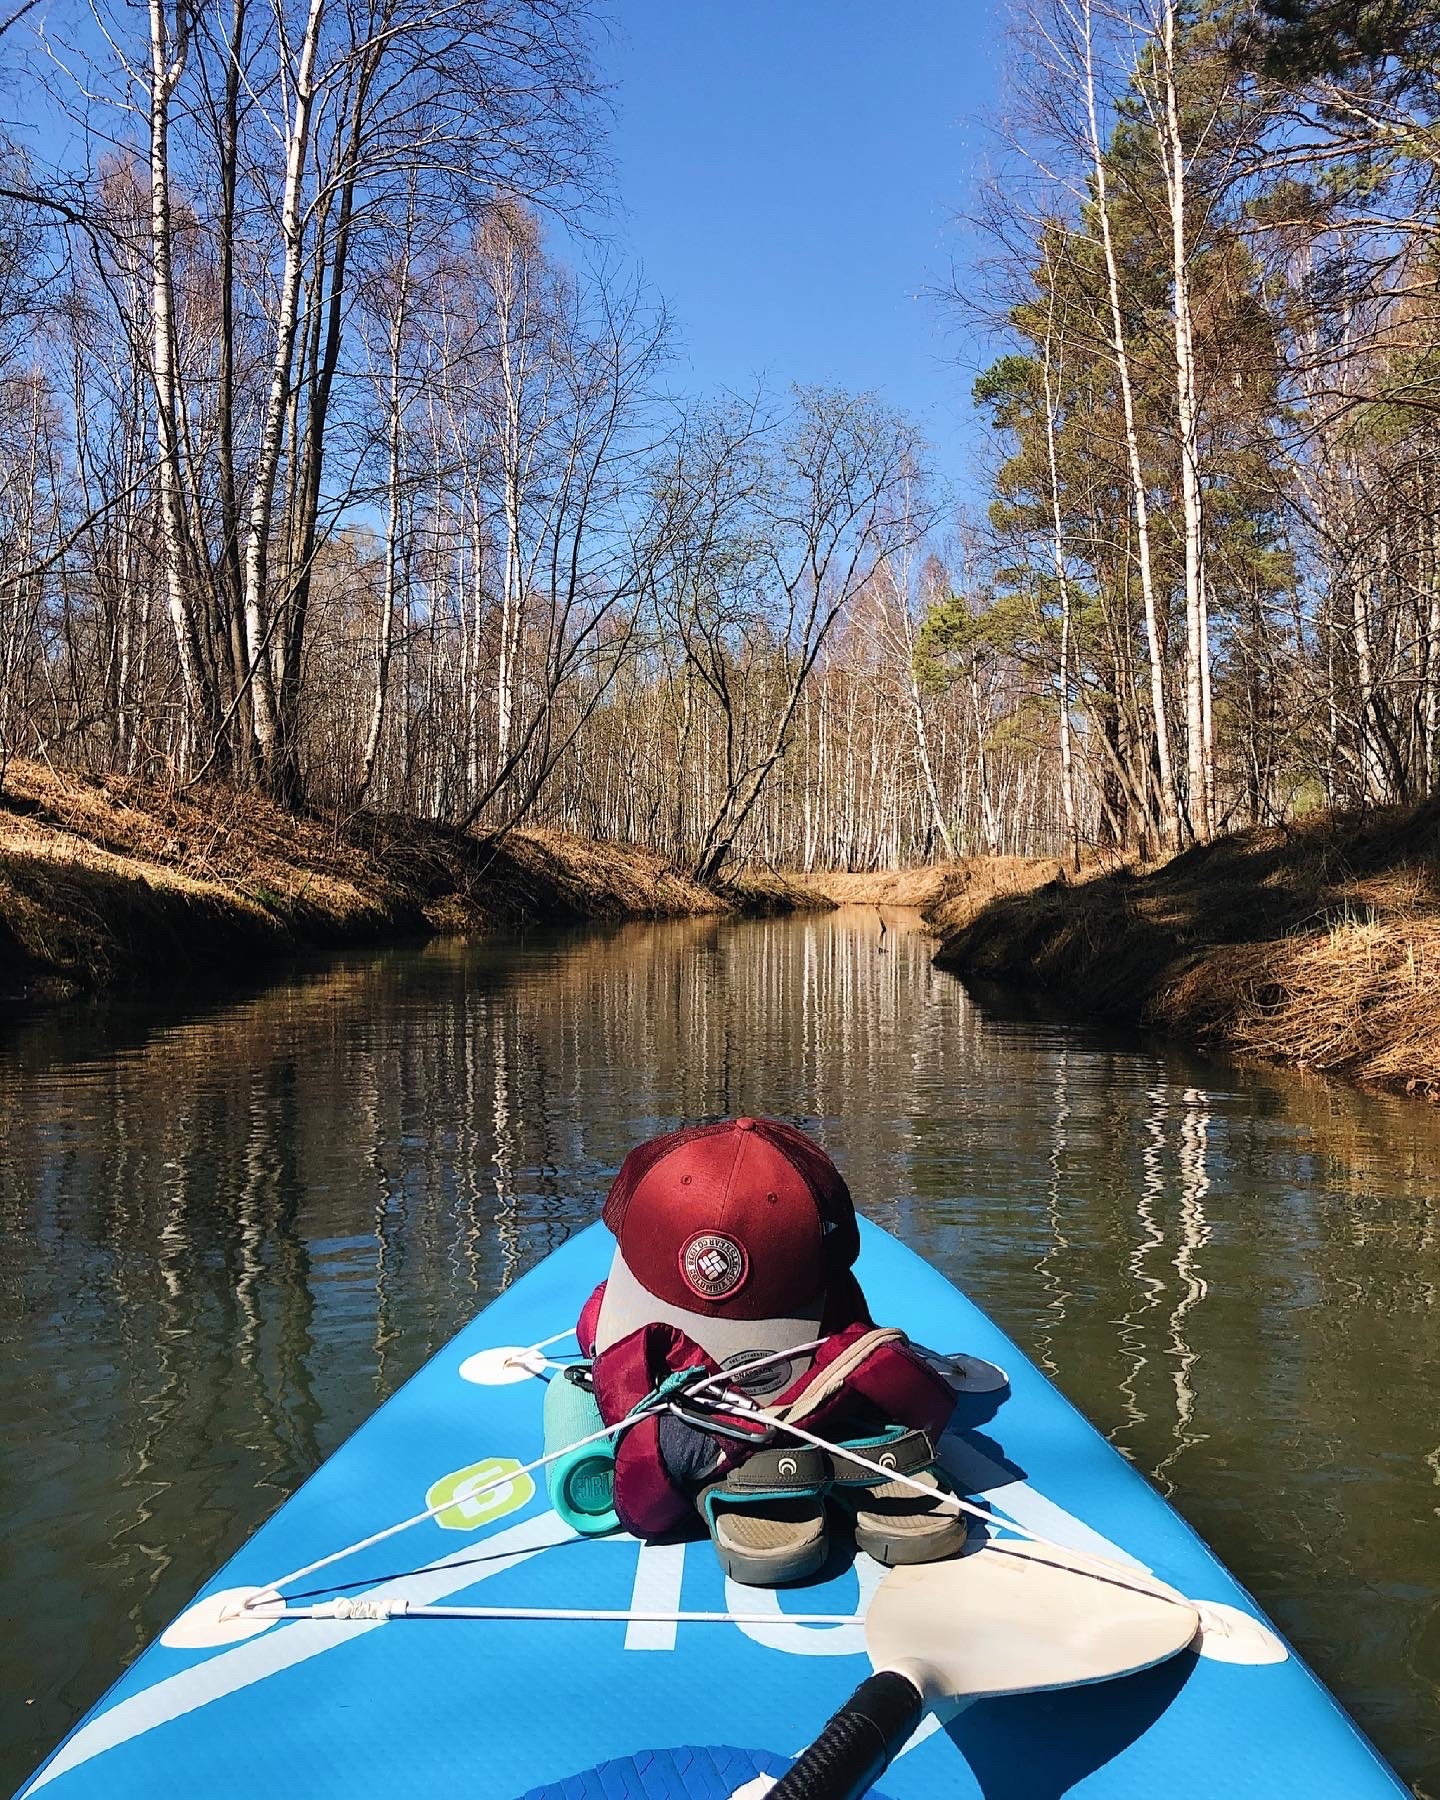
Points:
[225,1235]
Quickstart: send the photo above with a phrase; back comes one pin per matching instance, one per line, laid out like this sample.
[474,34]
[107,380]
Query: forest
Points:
[341,460]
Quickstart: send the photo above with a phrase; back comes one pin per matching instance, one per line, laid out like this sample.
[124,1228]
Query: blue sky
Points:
[789,172]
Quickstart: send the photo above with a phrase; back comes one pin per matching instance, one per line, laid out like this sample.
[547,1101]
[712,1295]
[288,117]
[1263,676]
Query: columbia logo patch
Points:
[713,1265]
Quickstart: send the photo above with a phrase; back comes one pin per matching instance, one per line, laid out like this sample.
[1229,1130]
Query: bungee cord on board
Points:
[696,1397]
[381,1607]
[518,1359]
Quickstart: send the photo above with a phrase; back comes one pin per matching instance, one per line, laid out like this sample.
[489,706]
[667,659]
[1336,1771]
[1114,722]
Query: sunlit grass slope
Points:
[106,880]
[1317,945]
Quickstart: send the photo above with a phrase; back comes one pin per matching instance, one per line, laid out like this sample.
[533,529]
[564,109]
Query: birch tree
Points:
[1174,161]
[786,521]
[1169,806]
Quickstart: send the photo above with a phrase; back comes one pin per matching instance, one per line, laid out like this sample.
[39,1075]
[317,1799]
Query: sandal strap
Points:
[906,1452]
[790,1471]
[766,1476]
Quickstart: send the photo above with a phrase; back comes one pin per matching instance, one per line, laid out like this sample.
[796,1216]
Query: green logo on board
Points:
[468,1510]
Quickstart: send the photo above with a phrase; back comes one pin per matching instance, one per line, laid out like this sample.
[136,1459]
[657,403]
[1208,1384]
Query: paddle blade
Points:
[1018,1618]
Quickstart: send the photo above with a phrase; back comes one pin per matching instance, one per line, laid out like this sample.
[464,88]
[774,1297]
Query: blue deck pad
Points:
[711,1773]
[434,1710]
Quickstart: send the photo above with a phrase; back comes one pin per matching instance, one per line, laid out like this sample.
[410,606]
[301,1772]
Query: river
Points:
[231,1228]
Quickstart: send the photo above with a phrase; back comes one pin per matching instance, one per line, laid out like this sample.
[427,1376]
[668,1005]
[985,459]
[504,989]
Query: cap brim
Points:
[628,1305]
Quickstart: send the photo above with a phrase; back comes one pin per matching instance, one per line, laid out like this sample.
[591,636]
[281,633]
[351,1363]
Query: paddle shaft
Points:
[859,1743]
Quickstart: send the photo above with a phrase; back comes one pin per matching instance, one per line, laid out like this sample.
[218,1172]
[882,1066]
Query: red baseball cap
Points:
[732,1232]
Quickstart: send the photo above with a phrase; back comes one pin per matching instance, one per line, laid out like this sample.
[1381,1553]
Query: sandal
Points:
[892,1522]
[767,1518]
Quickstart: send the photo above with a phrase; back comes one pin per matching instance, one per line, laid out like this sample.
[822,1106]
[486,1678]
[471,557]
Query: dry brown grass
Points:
[769,891]
[945,892]
[103,880]
[969,887]
[1360,999]
[880,887]
[1318,946]
[555,875]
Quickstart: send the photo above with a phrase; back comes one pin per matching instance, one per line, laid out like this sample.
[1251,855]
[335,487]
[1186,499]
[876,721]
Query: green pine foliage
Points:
[1312,162]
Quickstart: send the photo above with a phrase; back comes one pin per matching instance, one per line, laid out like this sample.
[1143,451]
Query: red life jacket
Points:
[890,1384]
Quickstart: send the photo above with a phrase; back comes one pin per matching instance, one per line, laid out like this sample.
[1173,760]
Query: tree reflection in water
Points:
[230,1231]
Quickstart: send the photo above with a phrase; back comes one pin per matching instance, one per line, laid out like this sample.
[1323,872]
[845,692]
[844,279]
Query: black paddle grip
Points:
[854,1750]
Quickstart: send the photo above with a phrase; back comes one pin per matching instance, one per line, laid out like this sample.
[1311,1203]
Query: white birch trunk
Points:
[511,310]
[385,634]
[1207,705]
[1169,807]
[165,72]
[1197,645]
[1371,775]
[988,814]
[1062,577]
[1432,664]
[922,750]
[299,118]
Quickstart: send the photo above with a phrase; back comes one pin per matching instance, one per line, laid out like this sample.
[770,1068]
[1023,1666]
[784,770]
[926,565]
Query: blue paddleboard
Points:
[366,1708]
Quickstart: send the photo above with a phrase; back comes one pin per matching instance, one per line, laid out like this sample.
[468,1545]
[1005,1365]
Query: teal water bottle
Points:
[582,1482]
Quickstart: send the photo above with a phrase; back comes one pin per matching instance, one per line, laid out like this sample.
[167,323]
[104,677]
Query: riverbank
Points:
[106,882]
[948,894]
[1316,946]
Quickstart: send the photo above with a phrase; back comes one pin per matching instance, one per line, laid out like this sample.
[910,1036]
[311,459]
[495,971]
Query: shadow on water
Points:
[232,1226]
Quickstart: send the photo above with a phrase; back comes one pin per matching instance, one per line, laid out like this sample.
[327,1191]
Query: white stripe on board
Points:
[978,1475]
[287,1645]
[659,1574]
[657,1587]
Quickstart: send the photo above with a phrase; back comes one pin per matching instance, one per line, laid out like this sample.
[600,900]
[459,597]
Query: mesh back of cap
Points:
[638,1164]
[827,1184]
